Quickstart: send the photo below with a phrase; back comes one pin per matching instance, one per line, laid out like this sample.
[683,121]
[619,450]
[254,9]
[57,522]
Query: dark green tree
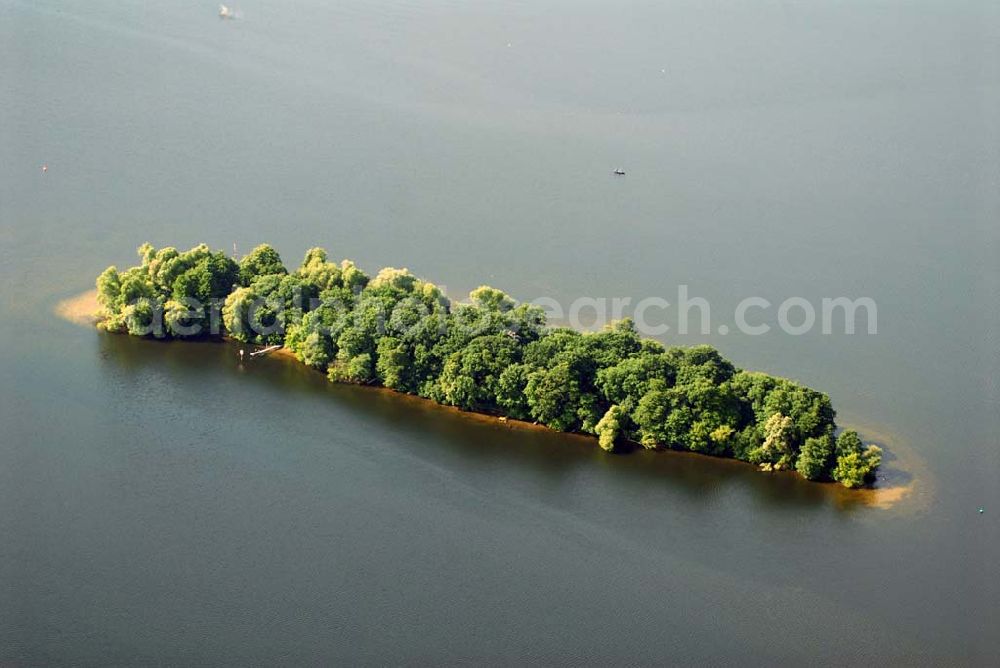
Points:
[262,261]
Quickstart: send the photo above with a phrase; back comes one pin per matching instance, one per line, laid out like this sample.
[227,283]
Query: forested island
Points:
[489,354]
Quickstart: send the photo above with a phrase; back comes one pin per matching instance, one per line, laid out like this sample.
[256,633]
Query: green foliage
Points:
[554,397]
[815,457]
[491,299]
[609,428]
[628,381]
[143,317]
[471,376]
[182,318]
[210,277]
[262,261]
[701,362]
[316,350]
[109,288]
[651,417]
[317,271]
[352,277]
[857,468]
[146,253]
[393,283]
[352,369]
[393,363]
[856,464]
[488,354]
[253,317]
[234,313]
[848,442]
[511,391]
[777,452]
[135,286]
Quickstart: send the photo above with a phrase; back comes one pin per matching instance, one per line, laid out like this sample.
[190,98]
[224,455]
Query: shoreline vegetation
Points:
[488,355]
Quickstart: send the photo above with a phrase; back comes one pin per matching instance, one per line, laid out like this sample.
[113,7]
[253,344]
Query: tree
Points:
[146,253]
[702,362]
[815,457]
[163,268]
[311,339]
[848,442]
[261,261]
[212,277]
[491,299]
[704,416]
[183,318]
[628,381]
[352,369]
[511,391]
[393,283]
[135,286]
[353,278]
[609,428]
[651,417]
[144,317]
[109,287]
[776,452]
[318,273]
[553,397]
[856,464]
[316,350]
[470,378]
[234,314]
[252,317]
[394,364]
[616,342]
[856,468]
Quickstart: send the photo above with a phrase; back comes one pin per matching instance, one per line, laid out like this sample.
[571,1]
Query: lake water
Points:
[163,504]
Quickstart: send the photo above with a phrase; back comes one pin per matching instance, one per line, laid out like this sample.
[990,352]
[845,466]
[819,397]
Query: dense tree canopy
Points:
[488,354]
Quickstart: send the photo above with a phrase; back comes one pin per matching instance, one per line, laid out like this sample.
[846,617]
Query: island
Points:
[489,354]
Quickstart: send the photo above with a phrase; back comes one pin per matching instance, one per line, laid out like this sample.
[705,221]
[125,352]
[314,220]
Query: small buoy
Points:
[45,168]
[241,354]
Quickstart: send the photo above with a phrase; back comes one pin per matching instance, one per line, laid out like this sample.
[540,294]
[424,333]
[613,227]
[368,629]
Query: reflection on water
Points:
[479,441]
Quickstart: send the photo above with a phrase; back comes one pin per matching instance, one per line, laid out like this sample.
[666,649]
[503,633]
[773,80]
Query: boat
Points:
[619,172]
[226,12]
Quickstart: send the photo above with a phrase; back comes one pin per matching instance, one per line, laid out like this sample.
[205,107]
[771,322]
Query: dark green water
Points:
[162,504]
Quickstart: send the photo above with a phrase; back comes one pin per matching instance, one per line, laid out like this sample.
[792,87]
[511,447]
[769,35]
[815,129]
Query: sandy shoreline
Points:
[903,475]
[81,309]
[897,480]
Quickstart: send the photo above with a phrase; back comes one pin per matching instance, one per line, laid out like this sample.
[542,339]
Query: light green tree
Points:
[609,428]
